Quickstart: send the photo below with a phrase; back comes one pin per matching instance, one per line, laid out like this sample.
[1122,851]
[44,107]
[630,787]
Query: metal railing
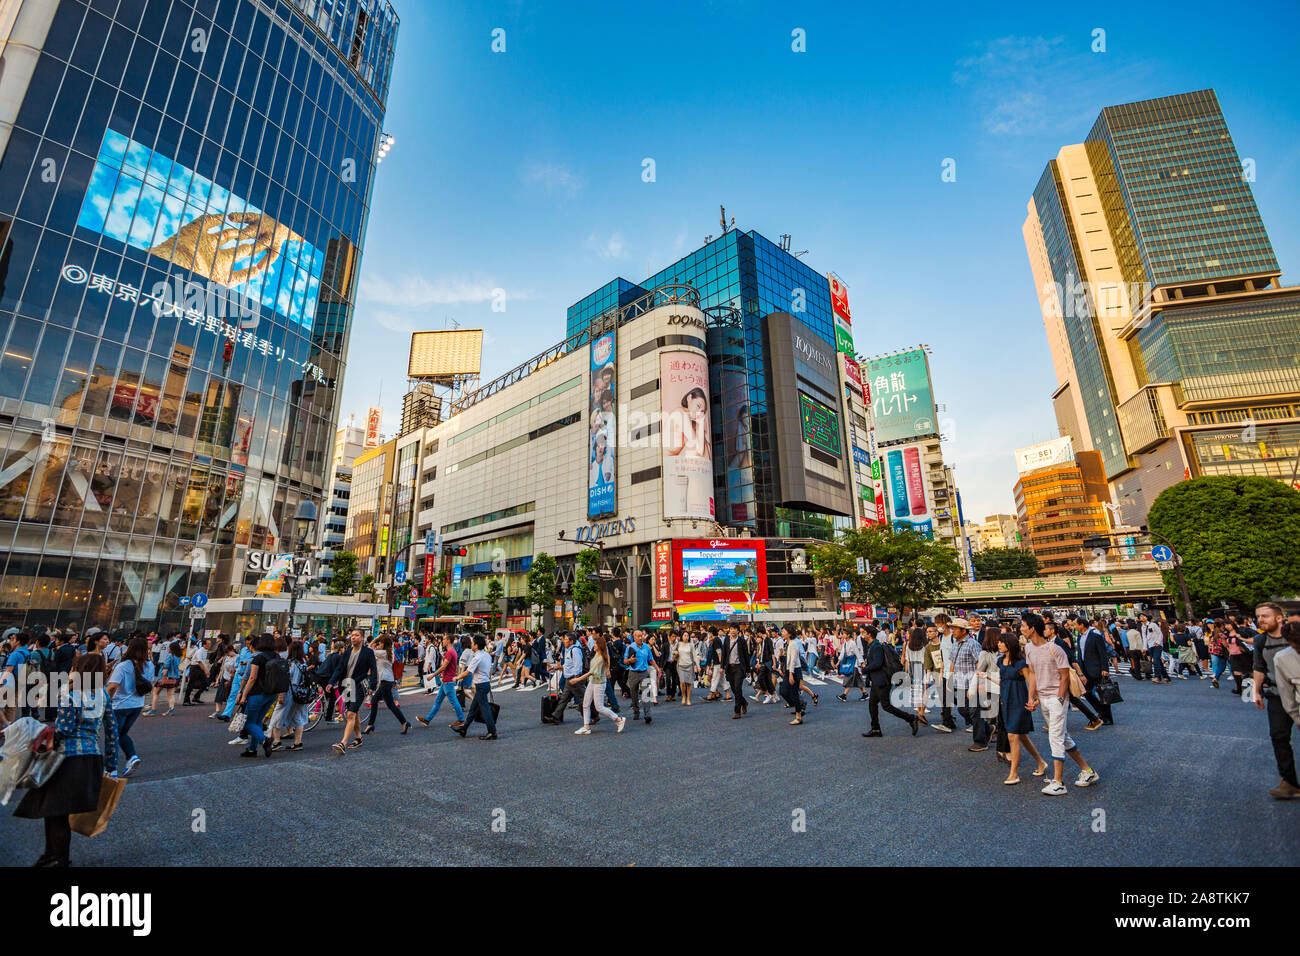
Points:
[612,317]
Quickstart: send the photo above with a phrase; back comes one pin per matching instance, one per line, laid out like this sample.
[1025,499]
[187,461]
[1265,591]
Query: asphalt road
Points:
[1184,774]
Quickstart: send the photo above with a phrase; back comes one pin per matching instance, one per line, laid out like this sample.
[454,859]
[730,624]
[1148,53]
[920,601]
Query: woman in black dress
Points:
[1015,714]
[83,721]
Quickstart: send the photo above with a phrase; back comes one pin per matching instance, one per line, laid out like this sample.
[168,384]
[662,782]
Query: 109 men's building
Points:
[184,190]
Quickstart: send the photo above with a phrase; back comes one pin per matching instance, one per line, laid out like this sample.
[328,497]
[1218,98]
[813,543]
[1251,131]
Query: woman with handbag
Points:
[127,685]
[851,655]
[85,713]
[687,659]
[383,648]
[1218,649]
[290,714]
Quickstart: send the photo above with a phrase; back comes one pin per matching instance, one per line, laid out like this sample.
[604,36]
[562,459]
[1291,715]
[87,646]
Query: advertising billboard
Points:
[902,399]
[853,372]
[721,569]
[374,419]
[908,502]
[663,571]
[840,308]
[602,486]
[820,425]
[444,355]
[146,200]
[1058,451]
[687,445]
[273,581]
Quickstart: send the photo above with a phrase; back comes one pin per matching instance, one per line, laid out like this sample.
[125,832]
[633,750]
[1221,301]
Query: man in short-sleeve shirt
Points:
[1049,687]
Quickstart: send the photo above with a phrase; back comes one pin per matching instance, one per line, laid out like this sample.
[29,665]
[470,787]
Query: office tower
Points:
[167,400]
[1175,346]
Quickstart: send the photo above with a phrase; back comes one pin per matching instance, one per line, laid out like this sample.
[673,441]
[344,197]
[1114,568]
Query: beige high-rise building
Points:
[1176,350]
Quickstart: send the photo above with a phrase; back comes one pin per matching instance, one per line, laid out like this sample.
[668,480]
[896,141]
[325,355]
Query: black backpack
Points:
[143,685]
[892,664]
[277,679]
[303,689]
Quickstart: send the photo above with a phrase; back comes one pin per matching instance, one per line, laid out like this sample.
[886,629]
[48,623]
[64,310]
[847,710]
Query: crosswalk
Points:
[504,683]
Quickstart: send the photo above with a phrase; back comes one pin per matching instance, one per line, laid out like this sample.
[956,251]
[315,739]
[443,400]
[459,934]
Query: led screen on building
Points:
[144,199]
[602,487]
[687,443]
[719,570]
[820,425]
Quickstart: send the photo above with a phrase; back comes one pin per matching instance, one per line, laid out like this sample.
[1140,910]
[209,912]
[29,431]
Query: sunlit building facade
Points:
[1176,349]
[184,190]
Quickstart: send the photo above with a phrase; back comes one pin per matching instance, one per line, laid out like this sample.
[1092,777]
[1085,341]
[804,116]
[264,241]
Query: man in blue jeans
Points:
[480,669]
[447,683]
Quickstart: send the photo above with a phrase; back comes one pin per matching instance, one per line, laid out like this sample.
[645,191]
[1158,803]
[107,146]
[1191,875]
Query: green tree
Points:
[920,569]
[344,580]
[1236,535]
[495,592]
[1000,564]
[585,590]
[367,586]
[541,582]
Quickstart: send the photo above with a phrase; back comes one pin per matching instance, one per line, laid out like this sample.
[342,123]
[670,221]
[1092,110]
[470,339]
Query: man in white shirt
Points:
[1153,642]
[480,666]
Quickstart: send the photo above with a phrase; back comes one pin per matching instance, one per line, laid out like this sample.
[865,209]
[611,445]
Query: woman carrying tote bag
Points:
[86,732]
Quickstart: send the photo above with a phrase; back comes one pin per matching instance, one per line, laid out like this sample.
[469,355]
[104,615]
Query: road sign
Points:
[1166,565]
[844,587]
[1162,553]
[199,600]
[185,602]
[399,572]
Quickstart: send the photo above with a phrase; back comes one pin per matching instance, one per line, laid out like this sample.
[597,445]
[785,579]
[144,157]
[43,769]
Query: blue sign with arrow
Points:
[199,600]
[1162,553]
[844,587]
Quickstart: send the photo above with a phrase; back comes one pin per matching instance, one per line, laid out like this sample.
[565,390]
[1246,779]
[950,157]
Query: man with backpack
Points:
[572,664]
[882,665]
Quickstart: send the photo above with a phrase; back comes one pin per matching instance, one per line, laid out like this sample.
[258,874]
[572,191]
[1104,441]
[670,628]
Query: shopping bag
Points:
[96,821]
[1108,692]
[847,665]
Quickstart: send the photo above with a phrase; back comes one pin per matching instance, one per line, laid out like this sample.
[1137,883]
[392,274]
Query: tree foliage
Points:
[541,582]
[920,569]
[1001,564]
[586,591]
[1237,535]
[495,592]
[344,567]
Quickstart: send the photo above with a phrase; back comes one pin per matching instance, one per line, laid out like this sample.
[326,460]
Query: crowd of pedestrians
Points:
[995,676]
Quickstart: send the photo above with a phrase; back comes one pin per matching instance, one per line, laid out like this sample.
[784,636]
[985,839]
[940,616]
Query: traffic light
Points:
[462,552]
[884,569]
[1097,543]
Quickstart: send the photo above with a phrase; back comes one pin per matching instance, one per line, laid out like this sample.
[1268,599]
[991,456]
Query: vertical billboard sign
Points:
[878,487]
[602,487]
[374,418]
[687,445]
[840,308]
[907,493]
[663,571]
[903,401]
[853,372]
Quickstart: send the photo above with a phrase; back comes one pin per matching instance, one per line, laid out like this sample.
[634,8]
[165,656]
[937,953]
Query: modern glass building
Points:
[741,278]
[1162,301]
[184,190]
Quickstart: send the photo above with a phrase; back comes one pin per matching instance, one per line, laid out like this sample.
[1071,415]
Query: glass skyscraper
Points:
[740,277]
[184,190]
[1162,301]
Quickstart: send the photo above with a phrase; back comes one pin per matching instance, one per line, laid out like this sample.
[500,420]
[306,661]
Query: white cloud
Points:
[554,178]
[610,247]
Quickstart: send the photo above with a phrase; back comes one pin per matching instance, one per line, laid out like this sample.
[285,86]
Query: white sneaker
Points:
[621,722]
[1054,788]
[1087,778]
[237,741]
[130,765]
[581,731]
[941,728]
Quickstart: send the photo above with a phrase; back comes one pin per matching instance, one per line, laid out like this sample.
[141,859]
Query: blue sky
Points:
[522,170]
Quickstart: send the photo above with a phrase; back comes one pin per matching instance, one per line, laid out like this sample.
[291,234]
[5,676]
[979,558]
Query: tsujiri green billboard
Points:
[843,340]
[902,399]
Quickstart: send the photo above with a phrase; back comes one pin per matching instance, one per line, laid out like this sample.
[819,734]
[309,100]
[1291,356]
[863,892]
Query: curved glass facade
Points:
[184,191]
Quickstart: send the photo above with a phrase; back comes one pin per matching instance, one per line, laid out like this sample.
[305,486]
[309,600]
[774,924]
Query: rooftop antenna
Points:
[722,218]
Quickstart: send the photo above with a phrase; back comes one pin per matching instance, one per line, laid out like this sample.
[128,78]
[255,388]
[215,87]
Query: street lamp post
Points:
[304,521]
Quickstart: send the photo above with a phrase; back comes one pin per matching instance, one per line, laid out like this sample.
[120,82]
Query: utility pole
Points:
[1178,571]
